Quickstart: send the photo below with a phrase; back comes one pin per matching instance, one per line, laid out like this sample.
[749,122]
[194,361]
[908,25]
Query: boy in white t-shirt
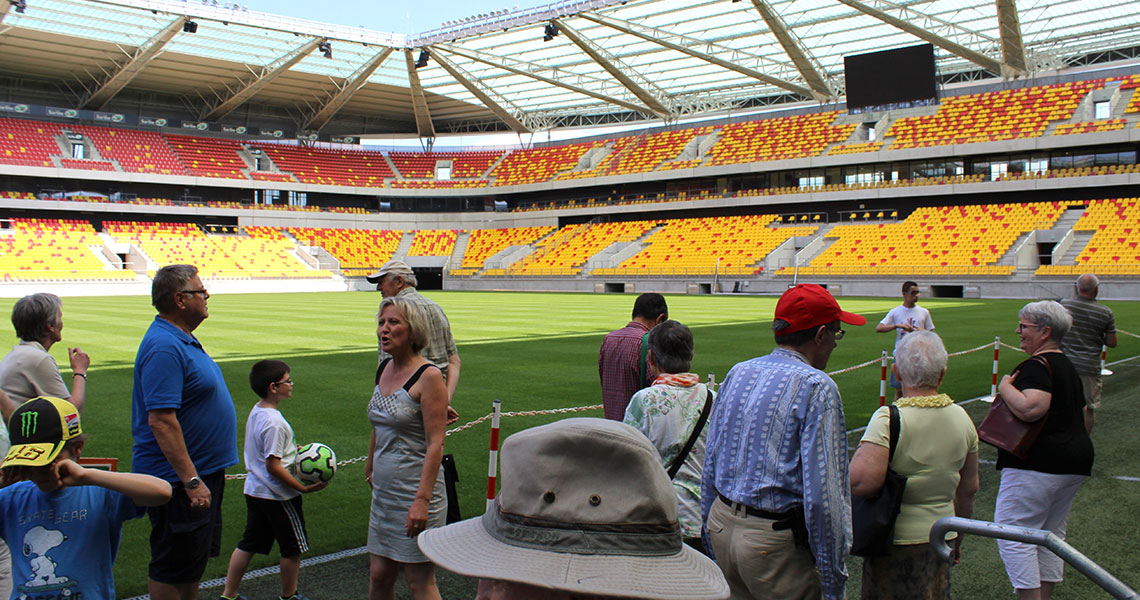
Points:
[904,319]
[272,493]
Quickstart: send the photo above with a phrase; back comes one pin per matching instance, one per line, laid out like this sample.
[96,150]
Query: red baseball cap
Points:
[808,305]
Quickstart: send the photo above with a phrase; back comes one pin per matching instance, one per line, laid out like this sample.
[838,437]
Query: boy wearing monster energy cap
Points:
[67,518]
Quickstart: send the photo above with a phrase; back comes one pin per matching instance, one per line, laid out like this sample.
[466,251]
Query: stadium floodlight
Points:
[20,6]
[325,48]
[189,27]
[421,62]
[550,31]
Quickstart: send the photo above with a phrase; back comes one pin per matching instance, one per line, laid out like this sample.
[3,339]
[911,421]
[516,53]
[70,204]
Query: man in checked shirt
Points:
[621,366]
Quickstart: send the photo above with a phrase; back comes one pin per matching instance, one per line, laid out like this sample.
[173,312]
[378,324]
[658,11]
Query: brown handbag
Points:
[1003,429]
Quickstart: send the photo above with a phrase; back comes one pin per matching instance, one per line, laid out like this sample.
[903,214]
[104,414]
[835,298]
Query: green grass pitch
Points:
[539,351]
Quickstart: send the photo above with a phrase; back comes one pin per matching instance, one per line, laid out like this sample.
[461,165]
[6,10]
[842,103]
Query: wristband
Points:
[83,375]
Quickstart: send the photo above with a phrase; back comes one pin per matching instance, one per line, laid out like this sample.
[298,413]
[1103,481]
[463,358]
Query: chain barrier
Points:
[573,409]
[469,425]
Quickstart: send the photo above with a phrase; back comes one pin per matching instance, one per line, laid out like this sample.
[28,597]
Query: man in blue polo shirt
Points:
[185,430]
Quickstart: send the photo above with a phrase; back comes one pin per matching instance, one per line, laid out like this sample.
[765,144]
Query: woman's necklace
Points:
[935,401]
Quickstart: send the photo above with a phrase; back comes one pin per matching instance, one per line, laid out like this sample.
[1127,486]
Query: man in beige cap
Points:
[585,511]
[396,278]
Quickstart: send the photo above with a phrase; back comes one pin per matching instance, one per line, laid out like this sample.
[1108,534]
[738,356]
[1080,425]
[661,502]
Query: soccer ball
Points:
[315,462]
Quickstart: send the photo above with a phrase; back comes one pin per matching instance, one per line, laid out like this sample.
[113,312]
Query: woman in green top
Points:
[937,451]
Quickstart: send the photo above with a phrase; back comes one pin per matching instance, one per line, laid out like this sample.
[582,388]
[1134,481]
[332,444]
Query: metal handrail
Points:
[1040,537]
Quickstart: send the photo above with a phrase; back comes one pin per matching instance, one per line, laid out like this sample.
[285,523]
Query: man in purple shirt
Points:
[619,360]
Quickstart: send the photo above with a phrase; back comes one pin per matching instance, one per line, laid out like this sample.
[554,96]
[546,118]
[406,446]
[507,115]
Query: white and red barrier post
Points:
[1103,357]
[493,462]
[883,381]
[994,379]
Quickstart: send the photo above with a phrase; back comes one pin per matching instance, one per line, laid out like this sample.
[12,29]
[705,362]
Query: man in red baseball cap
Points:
[775,497]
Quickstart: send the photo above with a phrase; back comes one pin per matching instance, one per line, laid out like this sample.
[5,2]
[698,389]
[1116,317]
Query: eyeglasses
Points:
[839,333]
[201,291]
[1021,326]
[288,380]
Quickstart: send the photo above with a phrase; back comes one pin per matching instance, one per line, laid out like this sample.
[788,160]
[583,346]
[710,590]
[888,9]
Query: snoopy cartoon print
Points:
[37,542]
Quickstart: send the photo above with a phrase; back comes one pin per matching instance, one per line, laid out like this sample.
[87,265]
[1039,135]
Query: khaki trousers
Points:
[758,561]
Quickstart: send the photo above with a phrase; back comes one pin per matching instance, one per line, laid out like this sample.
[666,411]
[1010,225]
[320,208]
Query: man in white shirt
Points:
[904,319]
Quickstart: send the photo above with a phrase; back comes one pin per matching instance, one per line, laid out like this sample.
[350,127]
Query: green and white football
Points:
[315,462]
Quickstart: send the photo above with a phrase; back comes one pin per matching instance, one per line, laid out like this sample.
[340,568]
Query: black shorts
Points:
[267,521]
[182,539]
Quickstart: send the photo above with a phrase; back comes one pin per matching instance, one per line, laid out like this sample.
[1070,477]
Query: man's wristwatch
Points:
[193,483]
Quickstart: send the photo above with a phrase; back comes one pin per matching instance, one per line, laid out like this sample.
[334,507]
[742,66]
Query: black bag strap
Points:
[677,462]
[896,425]
[644,372]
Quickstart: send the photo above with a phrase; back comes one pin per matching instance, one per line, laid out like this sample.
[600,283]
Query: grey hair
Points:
[32,315]
[417,320]
[921,359]
[672,347]
[169,280]
[409,278]
[1048,313]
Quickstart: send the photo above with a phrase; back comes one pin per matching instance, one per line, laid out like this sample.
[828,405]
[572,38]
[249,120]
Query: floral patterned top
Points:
[666,413]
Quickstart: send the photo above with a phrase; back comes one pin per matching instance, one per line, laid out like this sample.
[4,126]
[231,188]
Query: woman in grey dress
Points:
[408,412]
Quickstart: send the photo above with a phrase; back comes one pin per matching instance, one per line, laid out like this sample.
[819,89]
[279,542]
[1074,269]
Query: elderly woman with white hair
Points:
[937,451]
[1038,491]
[28,370]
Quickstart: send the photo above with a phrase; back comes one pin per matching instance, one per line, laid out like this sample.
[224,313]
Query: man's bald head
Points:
[1088,285]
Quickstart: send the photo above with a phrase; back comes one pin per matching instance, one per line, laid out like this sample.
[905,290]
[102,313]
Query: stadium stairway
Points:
[1080,240]
[812,249]
[618,252]
[458,250]
[405,245]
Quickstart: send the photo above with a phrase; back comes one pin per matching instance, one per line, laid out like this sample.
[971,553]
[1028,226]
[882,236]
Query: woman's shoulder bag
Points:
[873,518]
[1003,429]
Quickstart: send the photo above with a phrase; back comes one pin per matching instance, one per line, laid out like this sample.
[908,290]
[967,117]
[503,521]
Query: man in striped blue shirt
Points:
[775,496]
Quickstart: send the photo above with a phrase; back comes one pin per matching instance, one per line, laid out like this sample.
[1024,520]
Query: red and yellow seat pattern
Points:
[485,243]
[28,143]
[360,251]
[728,245]
[991,116]
[209,157]
[135,151]
[1090,126]
[433,242]
[355,168]
[216,256]
[799,136]
[538,164]
[944,240]
[421,165]
[576,245]
[656,148]
[54,250]
[1113,248]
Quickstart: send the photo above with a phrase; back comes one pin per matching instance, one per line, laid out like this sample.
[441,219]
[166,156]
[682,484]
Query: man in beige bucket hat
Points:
[585,510]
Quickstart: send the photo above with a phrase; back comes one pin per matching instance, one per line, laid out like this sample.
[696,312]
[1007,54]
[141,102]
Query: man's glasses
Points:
[839,333]
[201,291]
[288,380]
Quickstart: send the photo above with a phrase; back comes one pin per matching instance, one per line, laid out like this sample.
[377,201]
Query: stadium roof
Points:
[605,61]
